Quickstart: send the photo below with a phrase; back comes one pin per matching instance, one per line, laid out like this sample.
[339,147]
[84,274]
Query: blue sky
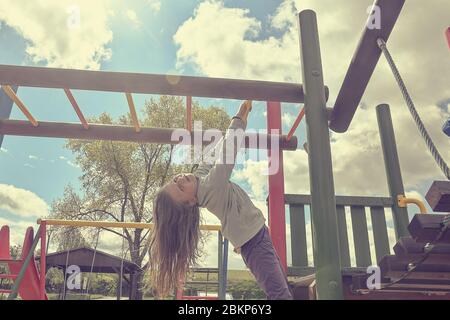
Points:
[202,38]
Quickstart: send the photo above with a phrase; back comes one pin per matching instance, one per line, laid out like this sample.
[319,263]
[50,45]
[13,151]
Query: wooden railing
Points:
[301,265]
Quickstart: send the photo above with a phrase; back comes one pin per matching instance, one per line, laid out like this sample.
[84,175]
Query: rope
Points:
[429,142]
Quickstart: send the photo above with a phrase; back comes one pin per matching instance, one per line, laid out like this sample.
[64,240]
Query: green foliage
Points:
[245,289]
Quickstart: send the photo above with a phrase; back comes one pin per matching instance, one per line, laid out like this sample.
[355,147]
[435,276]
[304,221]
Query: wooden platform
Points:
[419,270]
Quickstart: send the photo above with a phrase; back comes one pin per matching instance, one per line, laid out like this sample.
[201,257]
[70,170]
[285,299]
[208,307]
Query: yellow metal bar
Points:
[134,118]
[12,95]
[77,109]
[112,224]
[403,202]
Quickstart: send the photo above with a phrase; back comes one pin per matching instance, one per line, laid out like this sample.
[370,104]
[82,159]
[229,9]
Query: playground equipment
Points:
[447,35]
[90,261]
[446,127]
[30,284]
[330,241]
[23,268]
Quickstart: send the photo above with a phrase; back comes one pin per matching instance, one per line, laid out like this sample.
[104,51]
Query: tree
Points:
[120,179]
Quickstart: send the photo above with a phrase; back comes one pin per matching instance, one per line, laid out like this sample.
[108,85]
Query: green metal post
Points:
[393,173]
[323,202]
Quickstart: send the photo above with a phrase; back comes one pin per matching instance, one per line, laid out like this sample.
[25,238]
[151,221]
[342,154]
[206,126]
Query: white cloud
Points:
[22,202]
[62,158]
[17,229]
[3,150]
[59,33]
[29,165]
[218,42]
[32,157]
[155,5]
[70,163]
[133,18]
[288,119]
[252,173]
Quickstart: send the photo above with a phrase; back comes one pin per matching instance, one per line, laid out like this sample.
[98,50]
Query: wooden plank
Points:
[438,196]
[363,64]
[428,227]
[396,294]
[434,263]
[151,84]
[407,245]
[360,236]
[380,235]
[12,95]
[300,271]
[133,114]
[343,200]
[343,236]
[124,133]
[421,286]
[77,109]
[299,245]
[420,276]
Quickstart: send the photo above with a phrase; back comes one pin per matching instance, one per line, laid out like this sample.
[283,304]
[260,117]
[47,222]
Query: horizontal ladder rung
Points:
[8,276]
[5,291]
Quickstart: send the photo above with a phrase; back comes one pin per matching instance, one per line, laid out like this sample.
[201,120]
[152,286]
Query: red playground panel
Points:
[447,34]
[30,286]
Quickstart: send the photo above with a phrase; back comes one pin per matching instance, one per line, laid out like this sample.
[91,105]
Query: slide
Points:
[29,287]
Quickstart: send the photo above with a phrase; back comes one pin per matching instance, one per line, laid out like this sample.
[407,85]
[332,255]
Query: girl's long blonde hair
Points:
[174,242]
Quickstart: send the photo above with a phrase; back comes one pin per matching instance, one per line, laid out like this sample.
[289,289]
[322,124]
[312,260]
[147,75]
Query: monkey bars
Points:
[129,83]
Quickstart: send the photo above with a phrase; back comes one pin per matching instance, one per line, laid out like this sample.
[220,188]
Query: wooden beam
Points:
[133,113]
[12,95]
[77,109]
[363,64]
[342,200]
[126,133]
[112,224]
[438,196]
[189,113]
[407,245]
[430,228]
[152,84]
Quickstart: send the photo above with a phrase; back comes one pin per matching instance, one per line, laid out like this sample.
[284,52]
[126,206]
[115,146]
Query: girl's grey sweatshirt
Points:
[239,217]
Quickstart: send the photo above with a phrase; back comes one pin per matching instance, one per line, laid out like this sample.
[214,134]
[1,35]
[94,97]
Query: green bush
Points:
[245,289]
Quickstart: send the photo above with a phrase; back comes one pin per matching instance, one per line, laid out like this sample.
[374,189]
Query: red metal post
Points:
[277,221]
[447,34]
[43,259]
[180,290]
[189,113]
[296,123]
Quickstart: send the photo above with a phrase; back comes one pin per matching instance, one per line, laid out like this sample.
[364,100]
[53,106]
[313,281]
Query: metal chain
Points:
[429,142]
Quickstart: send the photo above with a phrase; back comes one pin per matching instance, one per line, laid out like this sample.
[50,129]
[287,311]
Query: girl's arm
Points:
[229,146]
